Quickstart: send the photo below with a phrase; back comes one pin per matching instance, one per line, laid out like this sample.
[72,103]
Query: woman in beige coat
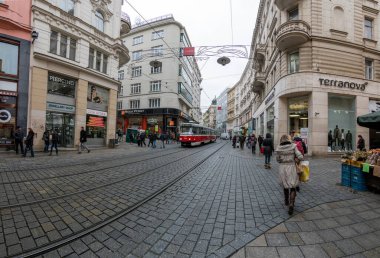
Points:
[287,156]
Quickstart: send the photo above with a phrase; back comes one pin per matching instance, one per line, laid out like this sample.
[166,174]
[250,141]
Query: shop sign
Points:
[270,97]
[135,111]
[343,84]
[374,106]
[60,107]
[96,112]
[60,80]
[5,116]
[8,93]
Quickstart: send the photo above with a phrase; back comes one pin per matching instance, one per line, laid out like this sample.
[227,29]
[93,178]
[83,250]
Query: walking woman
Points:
[268,149]
[288,155]
[253,142]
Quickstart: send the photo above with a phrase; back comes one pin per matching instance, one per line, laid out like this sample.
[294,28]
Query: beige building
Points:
[74,67]
[316,69]
[209,117]
[231,114]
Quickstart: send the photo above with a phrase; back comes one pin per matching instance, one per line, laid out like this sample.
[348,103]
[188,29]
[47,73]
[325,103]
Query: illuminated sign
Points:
[5,116]
[96,121]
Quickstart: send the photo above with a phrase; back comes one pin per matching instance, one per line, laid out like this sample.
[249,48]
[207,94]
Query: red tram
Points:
[195,134]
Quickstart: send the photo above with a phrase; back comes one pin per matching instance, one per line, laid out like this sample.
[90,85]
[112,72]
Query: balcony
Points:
[292,34]
[284,4]
[259,82]
[125,25]
[259,52]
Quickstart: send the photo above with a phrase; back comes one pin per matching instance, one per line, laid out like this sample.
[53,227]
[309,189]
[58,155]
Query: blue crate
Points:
[346,175]
[358,186]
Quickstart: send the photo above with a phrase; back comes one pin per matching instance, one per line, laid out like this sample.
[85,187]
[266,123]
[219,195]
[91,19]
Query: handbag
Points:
[262,150]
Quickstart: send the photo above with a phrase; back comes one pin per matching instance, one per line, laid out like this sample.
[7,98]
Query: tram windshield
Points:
[186,130]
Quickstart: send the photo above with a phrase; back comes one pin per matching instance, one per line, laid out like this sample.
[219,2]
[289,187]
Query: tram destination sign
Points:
[343,84]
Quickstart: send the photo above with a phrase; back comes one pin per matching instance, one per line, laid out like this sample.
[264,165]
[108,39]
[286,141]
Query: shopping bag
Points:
[305,175]
[262,150]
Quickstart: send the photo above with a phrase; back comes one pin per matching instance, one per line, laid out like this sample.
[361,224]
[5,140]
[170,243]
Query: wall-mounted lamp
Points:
[34,36]
[316,114]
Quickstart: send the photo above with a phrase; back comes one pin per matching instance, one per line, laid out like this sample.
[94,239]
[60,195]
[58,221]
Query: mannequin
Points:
[342,140]
[349,140]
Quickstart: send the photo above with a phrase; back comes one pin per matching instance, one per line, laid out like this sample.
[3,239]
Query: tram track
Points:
[40,250]
[118,180]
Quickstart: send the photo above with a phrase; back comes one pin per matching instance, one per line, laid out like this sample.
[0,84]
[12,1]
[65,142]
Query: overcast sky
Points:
[208,23]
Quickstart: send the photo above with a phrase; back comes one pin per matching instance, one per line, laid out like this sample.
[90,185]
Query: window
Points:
[157,51]
[157,34]
[62,44]
[135,103]
[179,70]
[101,60]
[136,55]
[293,14]
[137,40]
[121,75]
[119,105]
[368,28]
[181,37]
[155,70]
[155,86]
[61,85]
[294,62]
[121,92]
[338,21]
[136,88]
[8,58]
[154,103]
[369,69]
[99,21]
[136,71]
[67,6]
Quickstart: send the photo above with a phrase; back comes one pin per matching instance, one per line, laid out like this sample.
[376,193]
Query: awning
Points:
[371,120]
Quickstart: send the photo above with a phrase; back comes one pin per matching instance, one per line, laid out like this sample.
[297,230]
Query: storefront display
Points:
[7,119]
[270,121]
[298,112]
[64,124]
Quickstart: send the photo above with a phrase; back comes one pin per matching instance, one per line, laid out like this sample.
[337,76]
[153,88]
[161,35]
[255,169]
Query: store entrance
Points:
[64,124]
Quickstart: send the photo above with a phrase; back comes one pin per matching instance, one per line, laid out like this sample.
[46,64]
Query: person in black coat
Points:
[83,140]
[54,142]
[268,149]
[29,143]
[19,136]
[260,141]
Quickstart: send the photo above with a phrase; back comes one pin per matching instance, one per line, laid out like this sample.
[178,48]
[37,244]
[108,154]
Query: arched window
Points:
[338,19]
[99,21]
[67,6]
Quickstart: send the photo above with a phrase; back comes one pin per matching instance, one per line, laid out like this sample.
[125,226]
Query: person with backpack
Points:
[268,149]
[54,142]
[45,138]
[301,146]
[29,143]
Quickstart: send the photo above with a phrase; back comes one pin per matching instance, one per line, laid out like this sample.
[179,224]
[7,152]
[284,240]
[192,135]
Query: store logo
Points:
[343,84]
[5,116]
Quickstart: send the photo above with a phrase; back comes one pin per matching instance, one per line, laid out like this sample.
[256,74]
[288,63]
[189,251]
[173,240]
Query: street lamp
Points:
[34,36]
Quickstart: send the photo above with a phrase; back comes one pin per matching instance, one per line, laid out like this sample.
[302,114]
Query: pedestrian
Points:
[138,139]
[242,140]
[120,135]
[288,155]
[54,142]
[155,137]
[254,142]
[162,138]
[330,140]
[230,137]
[19,137]
[45,138]
[29,143]
[349,140]
[361,143]
[150,138]
[234,141]
[249,141]
[260,141]
[268,149]
[83,140]
[142,137]
[130,136]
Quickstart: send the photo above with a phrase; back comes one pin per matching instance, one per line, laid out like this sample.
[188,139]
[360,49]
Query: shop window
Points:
[98,96]
[136,55]
[138,40]
[61,85]
[155,70]
[341,121]
[64,124]
[63,45]
[120,75]
[67,6]
[136,71]
[369,69]
[298,112]
[97,60]
[136,88]
[157,34]
[96,128]
[294,62]
[8,59]
[99,21]
[155,86]
[293,14]
[134,104]
[368,28]
[157,51]
[154,103]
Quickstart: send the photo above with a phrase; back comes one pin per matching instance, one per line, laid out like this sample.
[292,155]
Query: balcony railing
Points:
[292,33]
[160,18]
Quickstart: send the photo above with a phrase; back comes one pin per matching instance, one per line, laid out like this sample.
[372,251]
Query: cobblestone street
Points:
[211,200]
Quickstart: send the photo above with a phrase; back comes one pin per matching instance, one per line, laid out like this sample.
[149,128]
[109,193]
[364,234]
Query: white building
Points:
[160,86]
[221,111]
[74,64]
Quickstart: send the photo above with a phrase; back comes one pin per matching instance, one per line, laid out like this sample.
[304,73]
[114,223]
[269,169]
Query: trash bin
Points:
[111,143]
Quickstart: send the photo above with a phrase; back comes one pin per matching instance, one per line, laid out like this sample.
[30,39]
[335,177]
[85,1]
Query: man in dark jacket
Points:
[29,143]
[83,139]
[268,149]
[349,140]
[45,138]
[54,142]
[19,136]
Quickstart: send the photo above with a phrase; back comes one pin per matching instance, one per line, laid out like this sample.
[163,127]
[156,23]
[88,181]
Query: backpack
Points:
[299,147]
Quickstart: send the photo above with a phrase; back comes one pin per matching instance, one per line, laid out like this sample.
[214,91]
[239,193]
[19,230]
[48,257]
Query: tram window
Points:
[186,130]
[196,130]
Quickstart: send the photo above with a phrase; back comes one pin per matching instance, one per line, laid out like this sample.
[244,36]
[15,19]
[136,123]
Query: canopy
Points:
[371,120]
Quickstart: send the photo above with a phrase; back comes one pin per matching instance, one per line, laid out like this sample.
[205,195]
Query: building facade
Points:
[222,112]
[15,41]
[315,70]
[161,85]
[74,67]
[231,114]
